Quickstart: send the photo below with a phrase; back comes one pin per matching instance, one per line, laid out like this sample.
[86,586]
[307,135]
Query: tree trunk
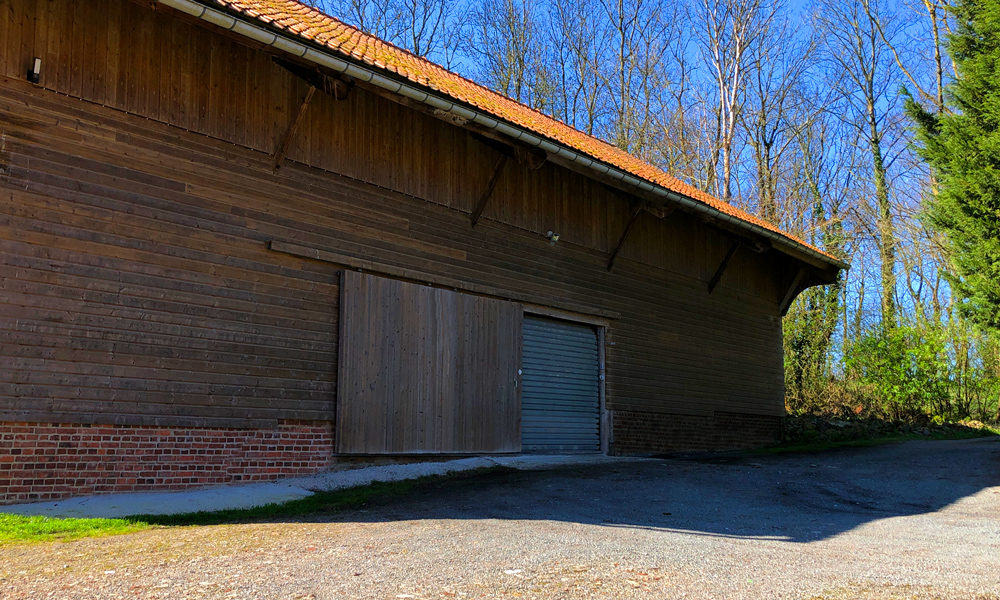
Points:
[886,229]
[727,172]
[767,194]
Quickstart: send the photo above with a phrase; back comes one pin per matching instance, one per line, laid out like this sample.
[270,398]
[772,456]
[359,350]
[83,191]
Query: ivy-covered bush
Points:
[899,372]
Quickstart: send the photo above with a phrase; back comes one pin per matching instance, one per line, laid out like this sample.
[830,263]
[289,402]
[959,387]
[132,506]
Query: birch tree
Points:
[727,32]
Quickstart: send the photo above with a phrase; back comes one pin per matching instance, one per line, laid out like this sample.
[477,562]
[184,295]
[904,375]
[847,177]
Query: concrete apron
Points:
[259,494]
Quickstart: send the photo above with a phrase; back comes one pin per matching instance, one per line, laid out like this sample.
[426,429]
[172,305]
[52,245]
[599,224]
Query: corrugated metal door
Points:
[561,393]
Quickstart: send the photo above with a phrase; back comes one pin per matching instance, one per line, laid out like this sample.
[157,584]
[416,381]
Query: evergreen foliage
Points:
[962,146]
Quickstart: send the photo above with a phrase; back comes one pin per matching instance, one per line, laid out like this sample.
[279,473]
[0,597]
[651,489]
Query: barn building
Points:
[240,240]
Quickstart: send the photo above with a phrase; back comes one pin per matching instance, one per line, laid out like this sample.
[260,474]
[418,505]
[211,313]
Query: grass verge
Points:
[15,528]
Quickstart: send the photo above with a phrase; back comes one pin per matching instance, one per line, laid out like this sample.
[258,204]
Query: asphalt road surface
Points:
[919,520]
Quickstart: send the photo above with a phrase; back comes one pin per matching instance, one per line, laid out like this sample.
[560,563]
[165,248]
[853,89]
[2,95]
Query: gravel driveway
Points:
[918,520]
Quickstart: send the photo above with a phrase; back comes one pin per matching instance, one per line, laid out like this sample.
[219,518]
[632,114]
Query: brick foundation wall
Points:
[46,461]
[650,433]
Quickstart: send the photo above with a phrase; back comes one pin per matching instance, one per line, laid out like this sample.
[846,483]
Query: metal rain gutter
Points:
[291,46]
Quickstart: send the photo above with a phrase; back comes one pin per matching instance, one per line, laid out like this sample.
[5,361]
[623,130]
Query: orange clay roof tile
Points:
[315,26]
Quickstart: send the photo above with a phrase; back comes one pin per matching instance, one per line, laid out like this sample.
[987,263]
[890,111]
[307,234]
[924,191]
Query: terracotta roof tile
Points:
[311,24]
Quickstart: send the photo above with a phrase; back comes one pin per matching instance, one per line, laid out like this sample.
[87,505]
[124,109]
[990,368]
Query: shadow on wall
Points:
[794,498]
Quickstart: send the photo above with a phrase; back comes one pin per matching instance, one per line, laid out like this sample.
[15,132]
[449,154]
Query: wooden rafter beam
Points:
[633,217]
[501,148]
[339,87]
[638,205]
[494,179]
[661,211]
[793,291]
[722,267]
[286,139]
[530,158]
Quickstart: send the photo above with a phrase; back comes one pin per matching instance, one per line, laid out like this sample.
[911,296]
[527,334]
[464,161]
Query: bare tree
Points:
[727,32]
[854,34]
[932,18]
[685,146]
[580,49]
[640,32]
[377,17]
[510,50]
[820,190]
[776,108]
[430,28]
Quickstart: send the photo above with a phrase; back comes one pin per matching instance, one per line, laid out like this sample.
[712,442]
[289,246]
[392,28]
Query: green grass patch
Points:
[15,528]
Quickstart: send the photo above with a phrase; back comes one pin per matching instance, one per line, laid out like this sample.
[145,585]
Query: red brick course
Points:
[46,461]
[638,433]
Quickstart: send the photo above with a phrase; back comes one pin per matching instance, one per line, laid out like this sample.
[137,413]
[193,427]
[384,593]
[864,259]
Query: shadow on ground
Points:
[798,498]
[793,497]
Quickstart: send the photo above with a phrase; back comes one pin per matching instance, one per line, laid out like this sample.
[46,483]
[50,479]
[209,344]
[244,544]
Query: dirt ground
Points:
[919,520]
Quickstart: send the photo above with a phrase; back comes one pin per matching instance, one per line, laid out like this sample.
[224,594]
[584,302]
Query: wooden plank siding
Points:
[137,199]
[426,370]
[171,65]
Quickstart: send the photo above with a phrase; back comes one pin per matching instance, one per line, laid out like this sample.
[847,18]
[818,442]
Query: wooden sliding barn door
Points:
[426,370]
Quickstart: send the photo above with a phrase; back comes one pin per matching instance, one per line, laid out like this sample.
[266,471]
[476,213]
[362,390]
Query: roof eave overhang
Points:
[265,34]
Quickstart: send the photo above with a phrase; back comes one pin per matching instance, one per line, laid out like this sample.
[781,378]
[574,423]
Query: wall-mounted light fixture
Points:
[35,72]
[552,236]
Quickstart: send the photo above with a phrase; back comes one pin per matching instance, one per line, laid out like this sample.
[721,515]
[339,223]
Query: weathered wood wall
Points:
[426,370]
[128,296]
[137,200]
[123,55]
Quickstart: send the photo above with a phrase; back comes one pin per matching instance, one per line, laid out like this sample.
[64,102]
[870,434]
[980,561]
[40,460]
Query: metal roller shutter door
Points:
[560,393]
